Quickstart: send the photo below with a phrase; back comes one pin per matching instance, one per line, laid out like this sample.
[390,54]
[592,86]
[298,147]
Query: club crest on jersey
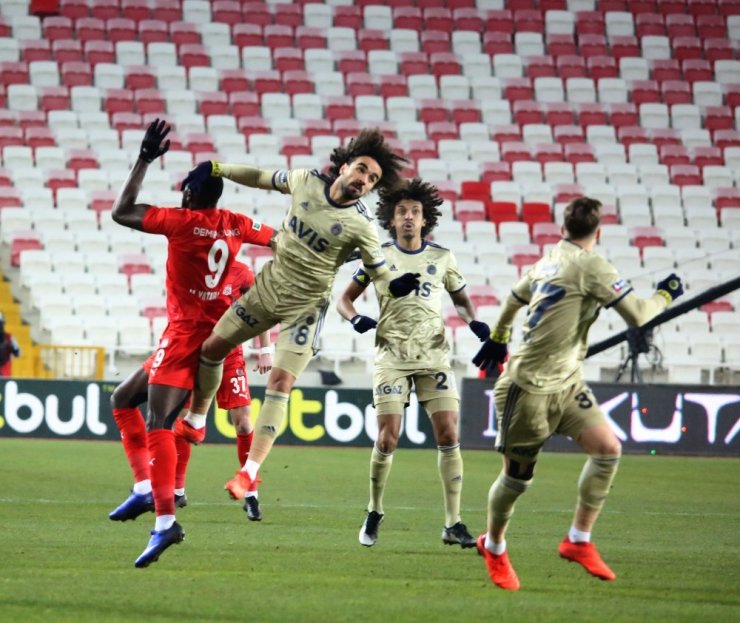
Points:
[336,229]
[227,291]
[432,269]
[393,267]
[619,285]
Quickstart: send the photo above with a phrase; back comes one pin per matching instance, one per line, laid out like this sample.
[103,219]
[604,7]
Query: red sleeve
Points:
[255,232]
[160,220]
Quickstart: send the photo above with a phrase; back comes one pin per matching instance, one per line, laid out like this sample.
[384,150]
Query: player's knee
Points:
[280,381]
[387,442]
[520,471]
[447,437]
[608,447]
[215,348]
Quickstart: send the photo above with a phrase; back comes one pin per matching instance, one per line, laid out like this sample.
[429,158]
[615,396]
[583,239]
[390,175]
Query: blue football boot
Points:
[133,506]
[159,542]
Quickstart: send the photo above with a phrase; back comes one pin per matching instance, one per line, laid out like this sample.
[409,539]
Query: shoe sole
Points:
[463,545]
[144,565]
[591,573]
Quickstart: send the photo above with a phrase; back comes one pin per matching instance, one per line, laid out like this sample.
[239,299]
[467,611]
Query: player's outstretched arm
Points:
[126,211]
[466,311]
[636,311]
[346,307]
[243,174]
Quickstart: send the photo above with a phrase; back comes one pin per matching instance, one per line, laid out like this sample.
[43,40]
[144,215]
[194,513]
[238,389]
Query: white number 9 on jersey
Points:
[217,258]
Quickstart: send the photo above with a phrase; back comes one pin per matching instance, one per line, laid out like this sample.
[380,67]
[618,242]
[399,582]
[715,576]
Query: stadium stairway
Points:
[11,310]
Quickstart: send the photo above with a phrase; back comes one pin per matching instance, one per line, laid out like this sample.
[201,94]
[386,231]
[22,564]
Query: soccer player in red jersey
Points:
[234,396]
[202,244]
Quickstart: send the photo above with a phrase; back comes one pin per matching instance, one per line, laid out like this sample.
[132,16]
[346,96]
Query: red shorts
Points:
[175,361]
[234,389]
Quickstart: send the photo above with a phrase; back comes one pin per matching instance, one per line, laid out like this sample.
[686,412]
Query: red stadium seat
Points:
[646,236]
[99,52]
[393,86]
[467,18]
[644,91]
[346,127]
[76,74]
[153,31]
[545,233]
[22,241]
[579,152]
[354,61]
[590,23]
[118,100]
[252,125]
[622,47]
[571,67]
[558,45]
[244,103]
[686,175]
[524,255]
[317,127]
[536,213]
[650,24]
[632,134]
[697,70]
[623,115]
[57,27]
[121,29]
[121,121]
[445,64]
[194,55]
[433,41]
[74,8]
[506,133]
[686,48]
[602,67]
[557,113]
[501,211]
[310,38]
[566,134]
[226,12]
[166,10]
[442,130]
[413,63]
[680,25]
[267,82]
[517,89]
[671,155]
[288,59]
[512,151]
[82,159]
[539,66]
[482,295]
[244,35]
[136,10]
[212,103]
[718,118]
[104,9]
[183,33]
[665,69]
[140,77]
[709,26]
[351,17]
[369,39]
[66,50]
[149,101]
[295,82]
[360,83]
[498,43]
[548,152]
[257,13]
[14,73]
[39,137]
[339,107]
[665,136]
[707,156]
[288,14]
[525,112]
[495,172]
[500,21]
[54,98]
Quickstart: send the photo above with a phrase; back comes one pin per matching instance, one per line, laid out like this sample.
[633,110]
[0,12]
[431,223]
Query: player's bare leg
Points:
[594,483]
[450,466]
[208,378]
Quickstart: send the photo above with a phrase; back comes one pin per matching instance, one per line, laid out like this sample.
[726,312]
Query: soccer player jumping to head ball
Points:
[326,222]
[412,349]
[542,391]
[202,242]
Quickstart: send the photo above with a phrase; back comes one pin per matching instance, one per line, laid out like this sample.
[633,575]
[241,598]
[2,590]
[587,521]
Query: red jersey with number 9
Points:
[202,245]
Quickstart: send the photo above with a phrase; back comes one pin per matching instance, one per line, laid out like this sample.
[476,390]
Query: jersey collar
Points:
[333,203]
[407,252]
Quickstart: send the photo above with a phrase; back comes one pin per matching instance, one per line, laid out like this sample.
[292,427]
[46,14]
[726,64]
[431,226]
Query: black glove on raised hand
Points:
[403,285]
[493,352]
[152,146]
[198,175]
[362,324]
[481,329]
[671,287]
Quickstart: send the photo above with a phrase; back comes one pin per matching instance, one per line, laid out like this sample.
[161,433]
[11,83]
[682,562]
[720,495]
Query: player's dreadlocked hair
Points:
[371,143]
[415,190]
[582,217]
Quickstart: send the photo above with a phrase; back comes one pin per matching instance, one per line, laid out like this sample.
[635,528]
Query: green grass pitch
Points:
[670,530]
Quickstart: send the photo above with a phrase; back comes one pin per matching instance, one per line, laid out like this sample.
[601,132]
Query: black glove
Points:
[198,175]
[481,329]
[671,287]
[363,324]
[403,285]
[152,146]
[494,351]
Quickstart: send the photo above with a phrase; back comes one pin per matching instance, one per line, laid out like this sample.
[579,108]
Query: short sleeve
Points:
[453,280]
[362,278]
[602,281]
[370,250]
[285,180]
[254,232]
[161,220]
